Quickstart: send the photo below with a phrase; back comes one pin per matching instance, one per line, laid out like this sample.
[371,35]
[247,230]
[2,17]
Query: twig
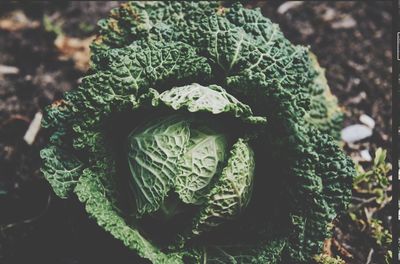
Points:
[369,258]
[4,69]
[358,206]
[33,129]
[342,250]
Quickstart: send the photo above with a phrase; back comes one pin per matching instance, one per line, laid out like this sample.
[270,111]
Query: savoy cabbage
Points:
[201,135]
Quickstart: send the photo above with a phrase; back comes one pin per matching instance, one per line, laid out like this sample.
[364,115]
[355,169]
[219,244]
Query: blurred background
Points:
[44,51]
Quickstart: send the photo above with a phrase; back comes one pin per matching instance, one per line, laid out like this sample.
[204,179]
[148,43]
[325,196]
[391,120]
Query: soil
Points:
[352,40]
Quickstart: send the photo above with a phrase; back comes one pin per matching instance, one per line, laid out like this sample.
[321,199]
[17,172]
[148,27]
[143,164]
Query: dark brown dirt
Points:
[351,39]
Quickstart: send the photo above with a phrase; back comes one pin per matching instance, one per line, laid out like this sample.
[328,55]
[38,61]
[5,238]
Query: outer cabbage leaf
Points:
[269,252]
[61,169]
[324,112]
[99,192]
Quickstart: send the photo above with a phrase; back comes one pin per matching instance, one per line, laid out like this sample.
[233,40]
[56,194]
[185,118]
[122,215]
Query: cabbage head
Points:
[200,134]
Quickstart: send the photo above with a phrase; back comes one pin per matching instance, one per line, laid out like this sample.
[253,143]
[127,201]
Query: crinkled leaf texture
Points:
[201,161]
[173,153]
[153,155]
[232,191]
[148,56]
[61,169]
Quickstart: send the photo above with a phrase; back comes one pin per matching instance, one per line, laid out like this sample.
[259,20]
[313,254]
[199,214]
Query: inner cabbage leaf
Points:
[153,153]
[205,152]
[175,153]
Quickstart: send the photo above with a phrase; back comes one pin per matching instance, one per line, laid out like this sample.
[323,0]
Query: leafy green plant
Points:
[375,182]
[201,135]
[372,193]
[51,26]
[325,259]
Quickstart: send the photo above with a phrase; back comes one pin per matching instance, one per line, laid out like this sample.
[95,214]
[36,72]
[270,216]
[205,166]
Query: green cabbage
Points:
[201,135]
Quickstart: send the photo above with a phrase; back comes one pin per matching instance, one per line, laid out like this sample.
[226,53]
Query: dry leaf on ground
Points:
[17,20]
[75,49]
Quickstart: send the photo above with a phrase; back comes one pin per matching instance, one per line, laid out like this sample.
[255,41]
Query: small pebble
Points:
[355,133]
[365,155]
[329,14]
[286,6]
[344,23]
[367,120]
